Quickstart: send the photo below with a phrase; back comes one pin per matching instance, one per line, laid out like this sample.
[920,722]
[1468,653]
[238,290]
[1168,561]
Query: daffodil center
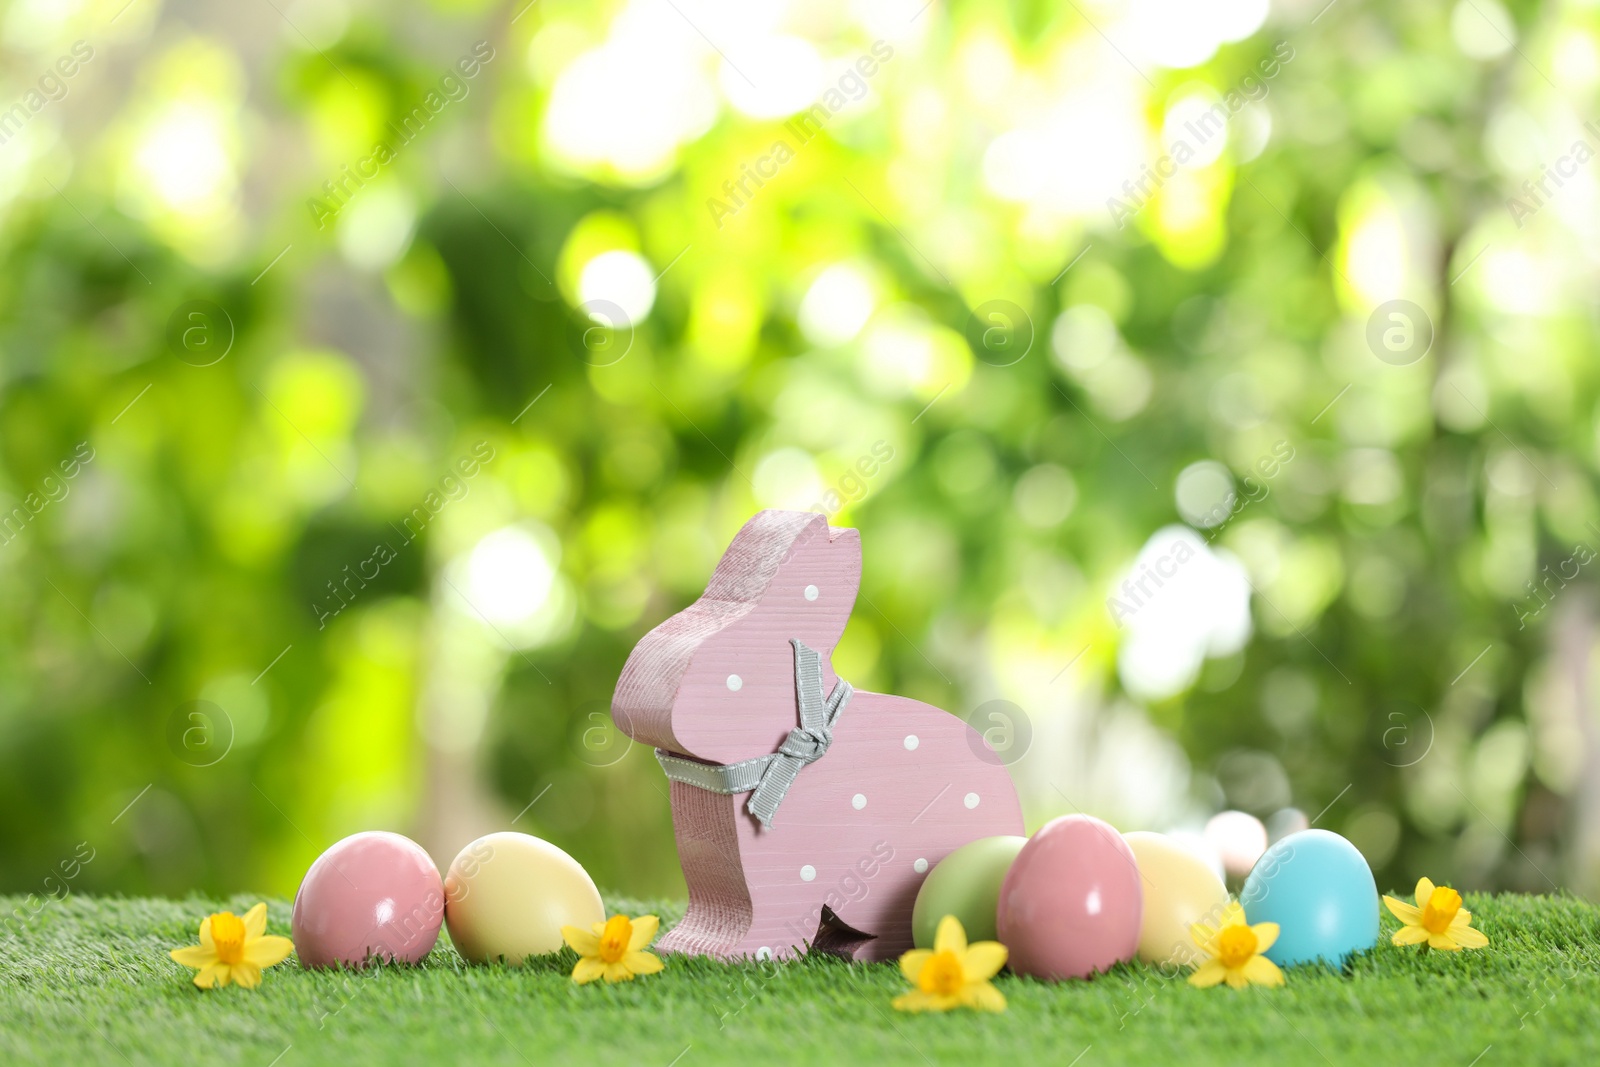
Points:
[615,937]
[942,975]
[1440,911]
[227,933]
[1236,945]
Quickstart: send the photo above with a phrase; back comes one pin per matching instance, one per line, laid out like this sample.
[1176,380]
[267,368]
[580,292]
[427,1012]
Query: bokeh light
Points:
[351,462]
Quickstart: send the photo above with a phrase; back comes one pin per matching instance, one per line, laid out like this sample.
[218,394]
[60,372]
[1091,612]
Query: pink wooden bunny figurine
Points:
[807,813]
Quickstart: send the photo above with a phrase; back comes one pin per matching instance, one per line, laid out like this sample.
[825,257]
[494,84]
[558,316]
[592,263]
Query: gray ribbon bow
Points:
[768,778]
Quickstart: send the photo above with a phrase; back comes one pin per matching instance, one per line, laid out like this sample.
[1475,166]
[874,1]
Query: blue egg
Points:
[1319,890]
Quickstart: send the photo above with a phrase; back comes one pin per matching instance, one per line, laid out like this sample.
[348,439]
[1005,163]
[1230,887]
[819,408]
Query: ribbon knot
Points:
[806,744]
[767,778]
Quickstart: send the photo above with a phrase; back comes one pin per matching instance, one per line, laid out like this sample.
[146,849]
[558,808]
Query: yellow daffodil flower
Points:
[615,951]
[232,949]
[1235,949]
[1436,918]
[952,974]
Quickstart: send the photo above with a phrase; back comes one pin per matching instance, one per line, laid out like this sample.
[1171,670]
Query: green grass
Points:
[88,981]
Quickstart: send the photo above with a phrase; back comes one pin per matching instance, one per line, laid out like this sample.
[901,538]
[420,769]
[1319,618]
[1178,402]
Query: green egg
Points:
[965,884]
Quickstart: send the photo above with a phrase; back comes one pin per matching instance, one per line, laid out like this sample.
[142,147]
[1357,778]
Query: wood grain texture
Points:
[902,785]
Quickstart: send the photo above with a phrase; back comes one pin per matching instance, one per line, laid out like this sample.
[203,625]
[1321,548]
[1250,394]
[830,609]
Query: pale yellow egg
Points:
[1180,889]
[508,895]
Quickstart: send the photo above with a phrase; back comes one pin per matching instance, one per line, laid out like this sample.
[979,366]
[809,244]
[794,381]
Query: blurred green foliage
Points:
[1399,670]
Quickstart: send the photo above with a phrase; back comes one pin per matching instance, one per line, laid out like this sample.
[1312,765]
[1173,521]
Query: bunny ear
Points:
[794,568]
[717,680]
[824,567]
[761,548]
[845,546]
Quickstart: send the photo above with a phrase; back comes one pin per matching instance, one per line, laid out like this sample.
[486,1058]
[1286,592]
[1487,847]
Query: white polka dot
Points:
[972,800]
[808,873]
[811,592]
[858,801]
[920,866]
[735,683]
[763,953]
[911,742]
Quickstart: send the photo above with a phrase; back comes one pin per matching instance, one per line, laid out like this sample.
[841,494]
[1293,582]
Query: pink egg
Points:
[372,895]
[1239,838]
[1071,904]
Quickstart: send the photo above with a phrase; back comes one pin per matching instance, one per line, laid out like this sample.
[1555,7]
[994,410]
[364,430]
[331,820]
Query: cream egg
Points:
[507,896]
[1180,889]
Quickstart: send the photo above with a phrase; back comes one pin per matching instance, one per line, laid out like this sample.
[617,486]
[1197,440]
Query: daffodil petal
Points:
[267,951]
[588,969]
[1262,971]
[212,976]
[1443,943]
[950,937]
[644,932]
[1409,935]
[1202,935]
[246,974]
[584,944]
[1462,918]
[1409,914]
[984,960]
[255,922]
[1208,974]
[920,1001]
[1236,979]
[599,928]
[1233,914]
[912,962]
[205,934]
[618,972]
[1266,935]
[1424,891]
[1467,937]
[643,962]
[916,1000]
[983,996]
[194,955]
